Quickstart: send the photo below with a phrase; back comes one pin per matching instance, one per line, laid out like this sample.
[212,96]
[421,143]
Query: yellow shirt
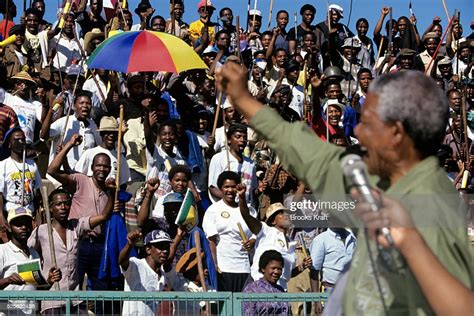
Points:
[195,31]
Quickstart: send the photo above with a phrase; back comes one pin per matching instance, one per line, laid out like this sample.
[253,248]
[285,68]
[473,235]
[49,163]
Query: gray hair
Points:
[418,103]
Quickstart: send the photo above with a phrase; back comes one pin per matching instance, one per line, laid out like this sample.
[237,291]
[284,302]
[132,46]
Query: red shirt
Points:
[4,33]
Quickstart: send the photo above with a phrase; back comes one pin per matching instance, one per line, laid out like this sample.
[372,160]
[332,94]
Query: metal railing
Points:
[222,303]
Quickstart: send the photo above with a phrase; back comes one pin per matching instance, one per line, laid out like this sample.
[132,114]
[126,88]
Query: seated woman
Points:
[271,266]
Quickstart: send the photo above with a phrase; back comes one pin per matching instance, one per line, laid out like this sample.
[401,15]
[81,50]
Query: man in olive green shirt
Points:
[402,121]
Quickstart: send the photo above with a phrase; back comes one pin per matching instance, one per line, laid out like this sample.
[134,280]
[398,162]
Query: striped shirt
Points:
[8,119]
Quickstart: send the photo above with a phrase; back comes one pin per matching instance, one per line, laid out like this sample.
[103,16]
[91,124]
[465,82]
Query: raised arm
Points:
[46,124]
[254,224]
[55,166]
[379,25]
[144,212]
[124,256]
[271,47]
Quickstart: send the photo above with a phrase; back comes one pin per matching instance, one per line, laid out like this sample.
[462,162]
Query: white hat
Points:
[255,12]
[351,42]
[226,104]
[444,61]
[338,8]
[334,102]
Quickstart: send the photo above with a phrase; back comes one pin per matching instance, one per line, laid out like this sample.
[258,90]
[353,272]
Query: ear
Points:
[148,250]
[398,134]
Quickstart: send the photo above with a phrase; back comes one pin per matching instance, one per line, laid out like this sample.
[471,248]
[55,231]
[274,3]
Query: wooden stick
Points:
[303,247]
[23,177]
[464,123]
[119,147]
[296,30]
[305,91]
[379,51]
[49,226]
[225,141]
[83,54]
[237,31]
[68,112]
[173,28]
[445,9]
[254,15]
[248,15]
[427,70]
[216,116]
[270,15]
[242,234]
[197,241]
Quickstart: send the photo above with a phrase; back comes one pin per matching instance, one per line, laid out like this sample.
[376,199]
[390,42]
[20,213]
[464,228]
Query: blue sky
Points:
[424,10]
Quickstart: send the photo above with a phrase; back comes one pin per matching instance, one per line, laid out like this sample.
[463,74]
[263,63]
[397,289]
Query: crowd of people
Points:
[98,166]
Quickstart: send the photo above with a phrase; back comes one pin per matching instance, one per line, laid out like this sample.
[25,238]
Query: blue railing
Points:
[227,303]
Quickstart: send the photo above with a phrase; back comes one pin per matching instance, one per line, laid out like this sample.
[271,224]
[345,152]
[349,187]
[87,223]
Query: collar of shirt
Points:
[15,248]
[349,236]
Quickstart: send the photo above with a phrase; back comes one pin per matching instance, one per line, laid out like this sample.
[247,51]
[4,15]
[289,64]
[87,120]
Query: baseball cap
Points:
[337,8]
[173,197]
[157,236]
[257,13]
[351,42]
[202,3]
[18,212]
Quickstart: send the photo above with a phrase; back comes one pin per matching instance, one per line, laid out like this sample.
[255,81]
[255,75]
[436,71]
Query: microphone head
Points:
[351,162]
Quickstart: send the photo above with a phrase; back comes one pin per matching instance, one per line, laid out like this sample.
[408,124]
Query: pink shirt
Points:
[66,254]
[87,200]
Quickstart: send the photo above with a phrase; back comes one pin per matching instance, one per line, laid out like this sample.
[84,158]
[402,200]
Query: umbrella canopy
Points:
[145,51]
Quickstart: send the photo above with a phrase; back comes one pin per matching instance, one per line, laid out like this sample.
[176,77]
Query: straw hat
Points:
[108,124]
[90,36]
[188,261]
[24,76]
[274,208]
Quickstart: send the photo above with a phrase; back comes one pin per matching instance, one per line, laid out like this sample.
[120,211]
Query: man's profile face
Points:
[375,135]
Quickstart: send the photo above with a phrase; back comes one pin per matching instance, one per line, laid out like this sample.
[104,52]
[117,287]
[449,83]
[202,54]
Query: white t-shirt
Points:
[221,138]
[90,137]
[84,164]
[67,50]
[270,238]
[159,209]
[27,112]
[246,170]
[221,219]
[140,277]
[10,256]
[157,167]
[11,173]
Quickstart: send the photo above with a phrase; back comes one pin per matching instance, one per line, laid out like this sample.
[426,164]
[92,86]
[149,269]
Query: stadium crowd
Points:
[110,179]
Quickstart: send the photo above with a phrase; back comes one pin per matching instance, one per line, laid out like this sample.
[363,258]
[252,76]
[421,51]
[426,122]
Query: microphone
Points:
[353,169]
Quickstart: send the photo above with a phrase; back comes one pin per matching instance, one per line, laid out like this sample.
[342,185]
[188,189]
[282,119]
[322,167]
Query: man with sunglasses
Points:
[68,233]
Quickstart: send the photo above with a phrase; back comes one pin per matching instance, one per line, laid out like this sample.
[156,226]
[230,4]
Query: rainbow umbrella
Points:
[145,51]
